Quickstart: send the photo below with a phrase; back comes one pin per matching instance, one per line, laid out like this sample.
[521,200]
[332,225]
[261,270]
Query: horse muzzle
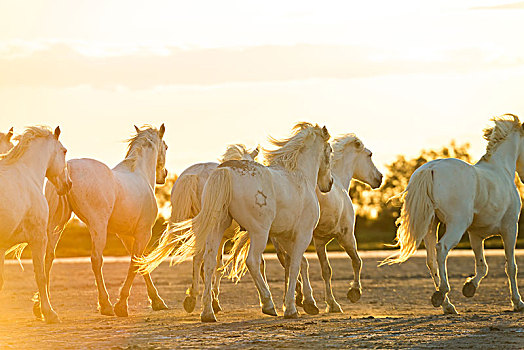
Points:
[328,188]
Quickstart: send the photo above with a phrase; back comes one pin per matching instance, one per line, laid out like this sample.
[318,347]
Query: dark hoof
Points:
[216,306]
[354,294]
[208,318]
[293,315]
[311,308]
[107,310]
[189,304]
[158,305]
[121,310]
[469,289]
[437,298]
[270,311]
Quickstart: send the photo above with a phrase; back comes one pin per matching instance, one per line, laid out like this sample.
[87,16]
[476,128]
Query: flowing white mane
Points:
[290,148]
[340,143]
[148,137]
[234,152]
[498,133]
[24,140]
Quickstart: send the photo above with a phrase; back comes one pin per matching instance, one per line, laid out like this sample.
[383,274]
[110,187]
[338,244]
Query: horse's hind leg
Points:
[192,291]
[38,247]
[481,268]
[430,241]
[98,241]
[217,276]
[156,301]
[454,231]
[509,237]
[258,240]
[283,258]
[139,245]
[310,305]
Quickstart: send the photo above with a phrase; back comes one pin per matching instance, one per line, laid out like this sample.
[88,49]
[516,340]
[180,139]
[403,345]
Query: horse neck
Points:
[505,155]
[35,160]
[146,164]
[344,168]
[308,163]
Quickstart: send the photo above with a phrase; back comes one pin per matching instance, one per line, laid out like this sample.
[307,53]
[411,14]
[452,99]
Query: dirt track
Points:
[394,312]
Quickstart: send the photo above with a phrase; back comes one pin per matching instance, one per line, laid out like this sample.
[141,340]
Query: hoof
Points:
[437,298]
[189,304]
[469,289]
[270,311]
[208,318]
[52,318]
[37,310]
[158,305]
[519,307]
[107,310]
[449,310]
[121,309]
[354,294]
[311,308]
[293,315]
[334,308]
[216,306]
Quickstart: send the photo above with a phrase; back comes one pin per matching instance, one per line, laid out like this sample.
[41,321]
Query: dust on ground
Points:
[394,311]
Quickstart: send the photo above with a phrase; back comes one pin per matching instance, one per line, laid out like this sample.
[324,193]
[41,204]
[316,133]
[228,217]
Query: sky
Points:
[402,75]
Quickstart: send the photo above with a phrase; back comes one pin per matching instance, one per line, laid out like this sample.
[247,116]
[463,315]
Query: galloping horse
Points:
[481,199]
[185,204]
[279,199]
[119,200]
[23,208]
[337,220]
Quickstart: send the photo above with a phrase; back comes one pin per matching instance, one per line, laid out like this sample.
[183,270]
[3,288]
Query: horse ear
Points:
[136,129]
[162,130]
[10,133]
[255,152]
[57,132]
[325,132]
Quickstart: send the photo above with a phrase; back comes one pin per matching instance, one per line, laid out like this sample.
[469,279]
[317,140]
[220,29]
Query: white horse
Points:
[23,208]
[119,200]
[337,220]
[185,204]
[5,141]
[279,199]
[481,199]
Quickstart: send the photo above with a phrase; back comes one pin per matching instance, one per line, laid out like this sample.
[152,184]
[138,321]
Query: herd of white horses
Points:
[297,193]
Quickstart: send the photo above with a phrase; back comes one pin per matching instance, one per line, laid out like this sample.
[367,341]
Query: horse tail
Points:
[416,215]
[215,202]
[17,251]
[185,202]
[236,264]
[59,210]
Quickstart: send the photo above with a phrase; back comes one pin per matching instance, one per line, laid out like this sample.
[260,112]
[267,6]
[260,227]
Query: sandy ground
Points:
[394,311]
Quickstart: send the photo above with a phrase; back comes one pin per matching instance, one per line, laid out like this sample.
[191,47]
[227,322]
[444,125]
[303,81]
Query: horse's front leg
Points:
[349,243]
[454,231]
[481,268]
[320,247]
[297,249]
[98,242]
[509,237]
[192,291]
[38,247]
[142,237]
[283,258]
[310,305]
